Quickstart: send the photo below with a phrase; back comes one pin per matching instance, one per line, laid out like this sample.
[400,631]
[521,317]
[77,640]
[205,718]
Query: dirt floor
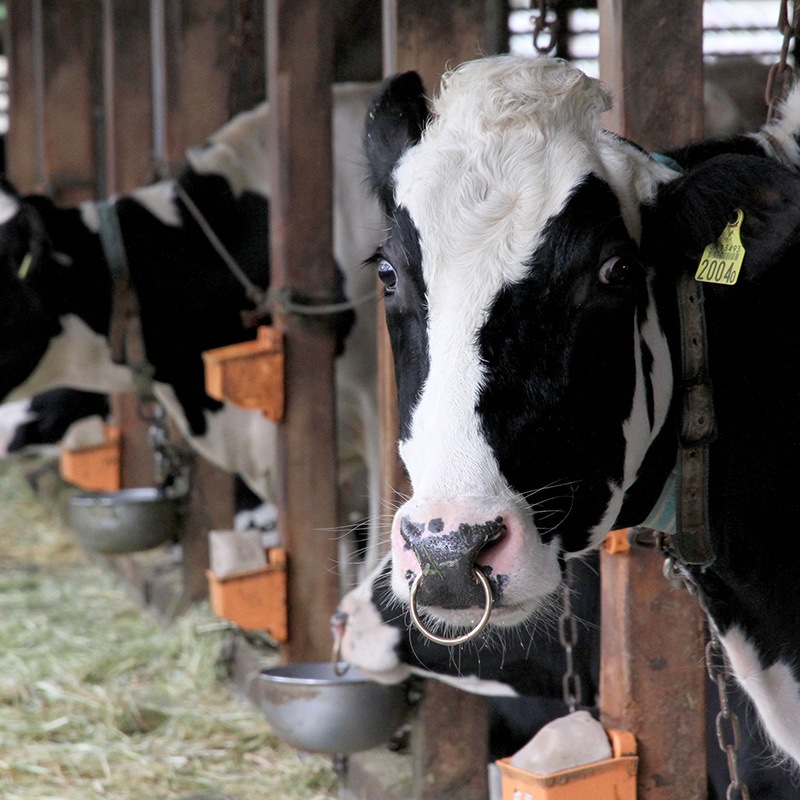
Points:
[99,700]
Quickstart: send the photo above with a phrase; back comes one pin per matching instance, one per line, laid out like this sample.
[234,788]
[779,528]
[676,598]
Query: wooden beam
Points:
[300,74]
[652,681]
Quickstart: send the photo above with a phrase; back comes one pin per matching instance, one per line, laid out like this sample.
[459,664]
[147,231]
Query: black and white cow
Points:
[530,272]
[56,295]
[42,420]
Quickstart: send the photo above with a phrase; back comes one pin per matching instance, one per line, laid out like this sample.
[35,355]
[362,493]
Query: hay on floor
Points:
[98,700]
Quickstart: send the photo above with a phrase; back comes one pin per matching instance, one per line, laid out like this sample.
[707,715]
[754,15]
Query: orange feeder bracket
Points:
[96,468]
[249,374]
[612,779]
[255,599]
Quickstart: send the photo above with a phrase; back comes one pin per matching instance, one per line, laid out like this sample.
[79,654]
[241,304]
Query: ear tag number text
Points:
[722,261]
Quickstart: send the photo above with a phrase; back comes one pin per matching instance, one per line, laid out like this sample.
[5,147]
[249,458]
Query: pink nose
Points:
[447,548]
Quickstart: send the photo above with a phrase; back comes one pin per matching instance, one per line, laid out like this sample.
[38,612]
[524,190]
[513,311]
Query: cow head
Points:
[532,371]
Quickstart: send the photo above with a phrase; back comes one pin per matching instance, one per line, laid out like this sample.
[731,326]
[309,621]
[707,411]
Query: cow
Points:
[56,307]
[521,672]
[531,277]
[42,420]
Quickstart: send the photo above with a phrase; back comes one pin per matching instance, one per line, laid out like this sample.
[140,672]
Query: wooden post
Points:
[300,74]
[652,680]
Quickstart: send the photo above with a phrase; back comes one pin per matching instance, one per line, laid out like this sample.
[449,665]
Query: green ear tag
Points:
[722,260]
[22,272]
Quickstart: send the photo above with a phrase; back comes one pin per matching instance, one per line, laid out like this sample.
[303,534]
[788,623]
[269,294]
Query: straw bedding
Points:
[98,700]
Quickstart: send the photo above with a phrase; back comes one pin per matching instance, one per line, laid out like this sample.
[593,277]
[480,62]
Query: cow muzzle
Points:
[449,576]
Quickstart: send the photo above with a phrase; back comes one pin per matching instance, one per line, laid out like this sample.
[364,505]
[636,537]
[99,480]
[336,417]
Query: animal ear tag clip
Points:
[722,260]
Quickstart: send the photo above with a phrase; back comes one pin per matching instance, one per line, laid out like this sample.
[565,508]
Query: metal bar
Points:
[37,32]
[109,138]
[158,60]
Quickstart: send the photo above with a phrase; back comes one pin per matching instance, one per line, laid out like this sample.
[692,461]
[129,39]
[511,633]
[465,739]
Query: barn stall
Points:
[194,64]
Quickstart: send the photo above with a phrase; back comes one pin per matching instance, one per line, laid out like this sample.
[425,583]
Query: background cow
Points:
[530,274]
[57,292]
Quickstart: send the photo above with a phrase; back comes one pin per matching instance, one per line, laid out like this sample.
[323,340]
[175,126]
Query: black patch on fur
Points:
[560,372]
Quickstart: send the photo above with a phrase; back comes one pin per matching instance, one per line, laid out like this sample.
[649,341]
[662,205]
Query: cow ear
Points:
[395,121]
[692,211]
[40,247]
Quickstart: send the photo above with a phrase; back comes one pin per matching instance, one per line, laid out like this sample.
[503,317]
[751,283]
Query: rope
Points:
[266,301]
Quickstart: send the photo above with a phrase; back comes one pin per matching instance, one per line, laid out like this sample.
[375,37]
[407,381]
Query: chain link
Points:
[544,21]
[781,75]
[727,723]
[172,465]
[568,637]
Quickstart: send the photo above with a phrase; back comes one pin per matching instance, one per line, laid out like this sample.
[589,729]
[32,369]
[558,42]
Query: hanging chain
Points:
[544,21]
[781,75]
[726,723]
[172,466]
[568,637]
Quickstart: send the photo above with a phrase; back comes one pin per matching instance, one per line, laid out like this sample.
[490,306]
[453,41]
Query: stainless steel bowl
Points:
[313,709]
[124,521]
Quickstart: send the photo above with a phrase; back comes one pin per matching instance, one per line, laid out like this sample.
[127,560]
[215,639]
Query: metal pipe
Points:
[389,29]
[158,53]
[37,25]
[109,138]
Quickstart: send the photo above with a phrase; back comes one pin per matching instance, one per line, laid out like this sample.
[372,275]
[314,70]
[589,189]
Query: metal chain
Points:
[726,723]
[568,637]
[172,466]
[544,21]
[781,75]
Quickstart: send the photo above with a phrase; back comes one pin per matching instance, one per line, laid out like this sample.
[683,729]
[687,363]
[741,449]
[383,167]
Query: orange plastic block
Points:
[256,599]
[617,542]
[249,374]
[95,468]
[613,779]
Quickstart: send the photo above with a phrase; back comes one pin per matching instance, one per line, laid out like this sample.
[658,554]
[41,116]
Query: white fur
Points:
[8,207]
[783,128]
[774,691]
[12,415]
[159,200]
[79,358]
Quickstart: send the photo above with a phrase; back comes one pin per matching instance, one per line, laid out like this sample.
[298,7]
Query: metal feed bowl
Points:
[124,522]
[313,709]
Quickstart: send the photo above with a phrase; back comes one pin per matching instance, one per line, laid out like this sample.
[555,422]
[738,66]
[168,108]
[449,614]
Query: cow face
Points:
[532,371]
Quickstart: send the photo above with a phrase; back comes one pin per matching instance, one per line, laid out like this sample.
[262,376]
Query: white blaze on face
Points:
[492,167]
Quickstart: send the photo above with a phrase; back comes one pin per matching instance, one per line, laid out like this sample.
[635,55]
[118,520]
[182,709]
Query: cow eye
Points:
[615,271]
[387,275]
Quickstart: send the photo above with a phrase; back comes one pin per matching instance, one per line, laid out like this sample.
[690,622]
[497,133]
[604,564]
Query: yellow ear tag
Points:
[722,261]
[24,267]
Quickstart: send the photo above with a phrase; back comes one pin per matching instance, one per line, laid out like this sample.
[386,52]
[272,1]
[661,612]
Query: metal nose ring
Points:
[451,641]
